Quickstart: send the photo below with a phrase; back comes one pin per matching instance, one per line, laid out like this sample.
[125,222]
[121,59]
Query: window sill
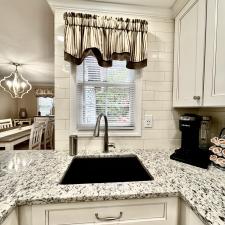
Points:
[118,133]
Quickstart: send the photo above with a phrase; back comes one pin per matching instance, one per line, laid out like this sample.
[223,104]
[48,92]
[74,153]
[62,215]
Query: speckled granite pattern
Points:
[32,177]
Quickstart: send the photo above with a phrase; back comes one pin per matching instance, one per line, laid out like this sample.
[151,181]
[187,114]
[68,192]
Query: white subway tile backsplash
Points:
[161,134]
[127,143]
[158,86]
[148,95]
[159,66]
[61,135]
[153,76]
[168,76]
[61,93]
[169,46]
[157,105]
[61,71]
[164,36]
[161,26]
[160,115]
[62,145]
[60,125]
[156,46]
[162,144]
[163,96]
[62,109]
[62,82]
[165,57]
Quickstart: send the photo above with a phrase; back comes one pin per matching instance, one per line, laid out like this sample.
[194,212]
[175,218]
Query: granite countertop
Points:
[32,177]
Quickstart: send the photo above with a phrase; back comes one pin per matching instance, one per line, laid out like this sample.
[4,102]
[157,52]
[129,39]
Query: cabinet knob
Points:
[196,97]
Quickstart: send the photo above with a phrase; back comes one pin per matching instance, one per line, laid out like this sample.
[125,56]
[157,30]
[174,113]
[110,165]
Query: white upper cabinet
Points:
[189,54]
[199,55]
[214,91]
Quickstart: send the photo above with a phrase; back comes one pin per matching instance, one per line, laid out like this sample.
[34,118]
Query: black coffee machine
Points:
[190,153]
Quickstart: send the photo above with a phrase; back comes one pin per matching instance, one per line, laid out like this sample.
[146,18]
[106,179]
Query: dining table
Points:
[12,136]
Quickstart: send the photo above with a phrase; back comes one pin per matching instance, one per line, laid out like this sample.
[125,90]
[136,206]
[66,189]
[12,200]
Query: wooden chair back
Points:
[48,136]
[6,123]
[35,136]
[41,119]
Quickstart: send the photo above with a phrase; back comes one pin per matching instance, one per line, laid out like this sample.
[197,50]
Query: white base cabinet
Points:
[12,219]
[187,216]
[158,211]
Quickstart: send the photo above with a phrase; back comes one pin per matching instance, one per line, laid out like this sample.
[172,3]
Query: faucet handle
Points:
[112,145]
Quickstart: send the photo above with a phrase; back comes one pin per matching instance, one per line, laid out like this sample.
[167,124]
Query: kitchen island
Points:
[32,178]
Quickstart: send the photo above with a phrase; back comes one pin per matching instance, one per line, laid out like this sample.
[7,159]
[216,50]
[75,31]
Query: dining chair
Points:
[35,136]
[41,119]
[48,135]
[5,123]
[46,130]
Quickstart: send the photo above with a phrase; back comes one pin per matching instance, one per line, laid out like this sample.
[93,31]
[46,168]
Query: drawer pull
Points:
[108,218]
[196,97]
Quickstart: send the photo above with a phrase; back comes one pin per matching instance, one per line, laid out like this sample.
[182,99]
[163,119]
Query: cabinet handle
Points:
[196,97]
[108,218]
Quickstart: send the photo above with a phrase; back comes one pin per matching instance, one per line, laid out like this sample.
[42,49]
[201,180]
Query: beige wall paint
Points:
[8,105]
[156,94]
[29,101]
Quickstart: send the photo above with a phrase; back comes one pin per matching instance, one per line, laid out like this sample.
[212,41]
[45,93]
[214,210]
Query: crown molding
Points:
[103,7]
[178,6]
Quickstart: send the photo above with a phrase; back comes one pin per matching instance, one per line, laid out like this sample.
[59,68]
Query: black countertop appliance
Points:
[190,153]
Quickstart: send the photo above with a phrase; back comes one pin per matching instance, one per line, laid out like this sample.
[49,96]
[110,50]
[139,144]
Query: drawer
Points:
[108,212]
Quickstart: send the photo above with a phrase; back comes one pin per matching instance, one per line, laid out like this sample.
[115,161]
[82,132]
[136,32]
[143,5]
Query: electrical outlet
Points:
[148,121]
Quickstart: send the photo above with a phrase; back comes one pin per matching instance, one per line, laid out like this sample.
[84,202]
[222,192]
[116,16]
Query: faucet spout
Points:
[97,131]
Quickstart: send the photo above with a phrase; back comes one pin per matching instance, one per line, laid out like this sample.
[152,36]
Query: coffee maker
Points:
[190,153]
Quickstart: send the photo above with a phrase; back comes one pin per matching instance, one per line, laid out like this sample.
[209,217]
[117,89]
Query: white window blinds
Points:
[105,90]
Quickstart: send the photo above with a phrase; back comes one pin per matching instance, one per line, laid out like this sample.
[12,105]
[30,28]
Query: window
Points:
[105,90]
[45,106]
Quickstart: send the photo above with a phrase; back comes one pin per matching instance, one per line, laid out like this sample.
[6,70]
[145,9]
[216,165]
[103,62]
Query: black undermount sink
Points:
[83,170]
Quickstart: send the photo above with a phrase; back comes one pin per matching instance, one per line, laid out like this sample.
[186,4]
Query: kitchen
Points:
[181,61]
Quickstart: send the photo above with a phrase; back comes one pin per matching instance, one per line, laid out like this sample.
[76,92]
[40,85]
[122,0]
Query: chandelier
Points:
[15,84]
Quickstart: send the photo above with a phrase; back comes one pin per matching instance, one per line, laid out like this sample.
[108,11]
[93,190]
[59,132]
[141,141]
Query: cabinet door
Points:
[187,216]
[214,93]
[158,211]
[12,219]
[189,55]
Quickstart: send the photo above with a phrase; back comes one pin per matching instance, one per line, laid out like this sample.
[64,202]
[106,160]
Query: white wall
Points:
[156,93]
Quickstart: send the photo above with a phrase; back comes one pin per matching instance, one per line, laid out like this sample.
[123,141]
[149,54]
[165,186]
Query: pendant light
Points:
[15,84]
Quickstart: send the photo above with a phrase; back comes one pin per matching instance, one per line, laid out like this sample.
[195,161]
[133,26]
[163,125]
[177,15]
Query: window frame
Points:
[136,131]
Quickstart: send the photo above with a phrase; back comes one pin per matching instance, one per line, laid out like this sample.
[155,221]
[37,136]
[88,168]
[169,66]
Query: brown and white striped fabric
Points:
[106,38]
[44,92]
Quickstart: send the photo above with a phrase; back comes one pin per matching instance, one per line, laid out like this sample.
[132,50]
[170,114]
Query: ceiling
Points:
[153,3]
[27,37]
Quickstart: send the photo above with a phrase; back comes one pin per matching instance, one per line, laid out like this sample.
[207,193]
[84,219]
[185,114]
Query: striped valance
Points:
[44,92]
[106,38]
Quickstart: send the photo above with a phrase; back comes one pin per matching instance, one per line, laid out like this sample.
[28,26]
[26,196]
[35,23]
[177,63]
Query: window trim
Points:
[114,132]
